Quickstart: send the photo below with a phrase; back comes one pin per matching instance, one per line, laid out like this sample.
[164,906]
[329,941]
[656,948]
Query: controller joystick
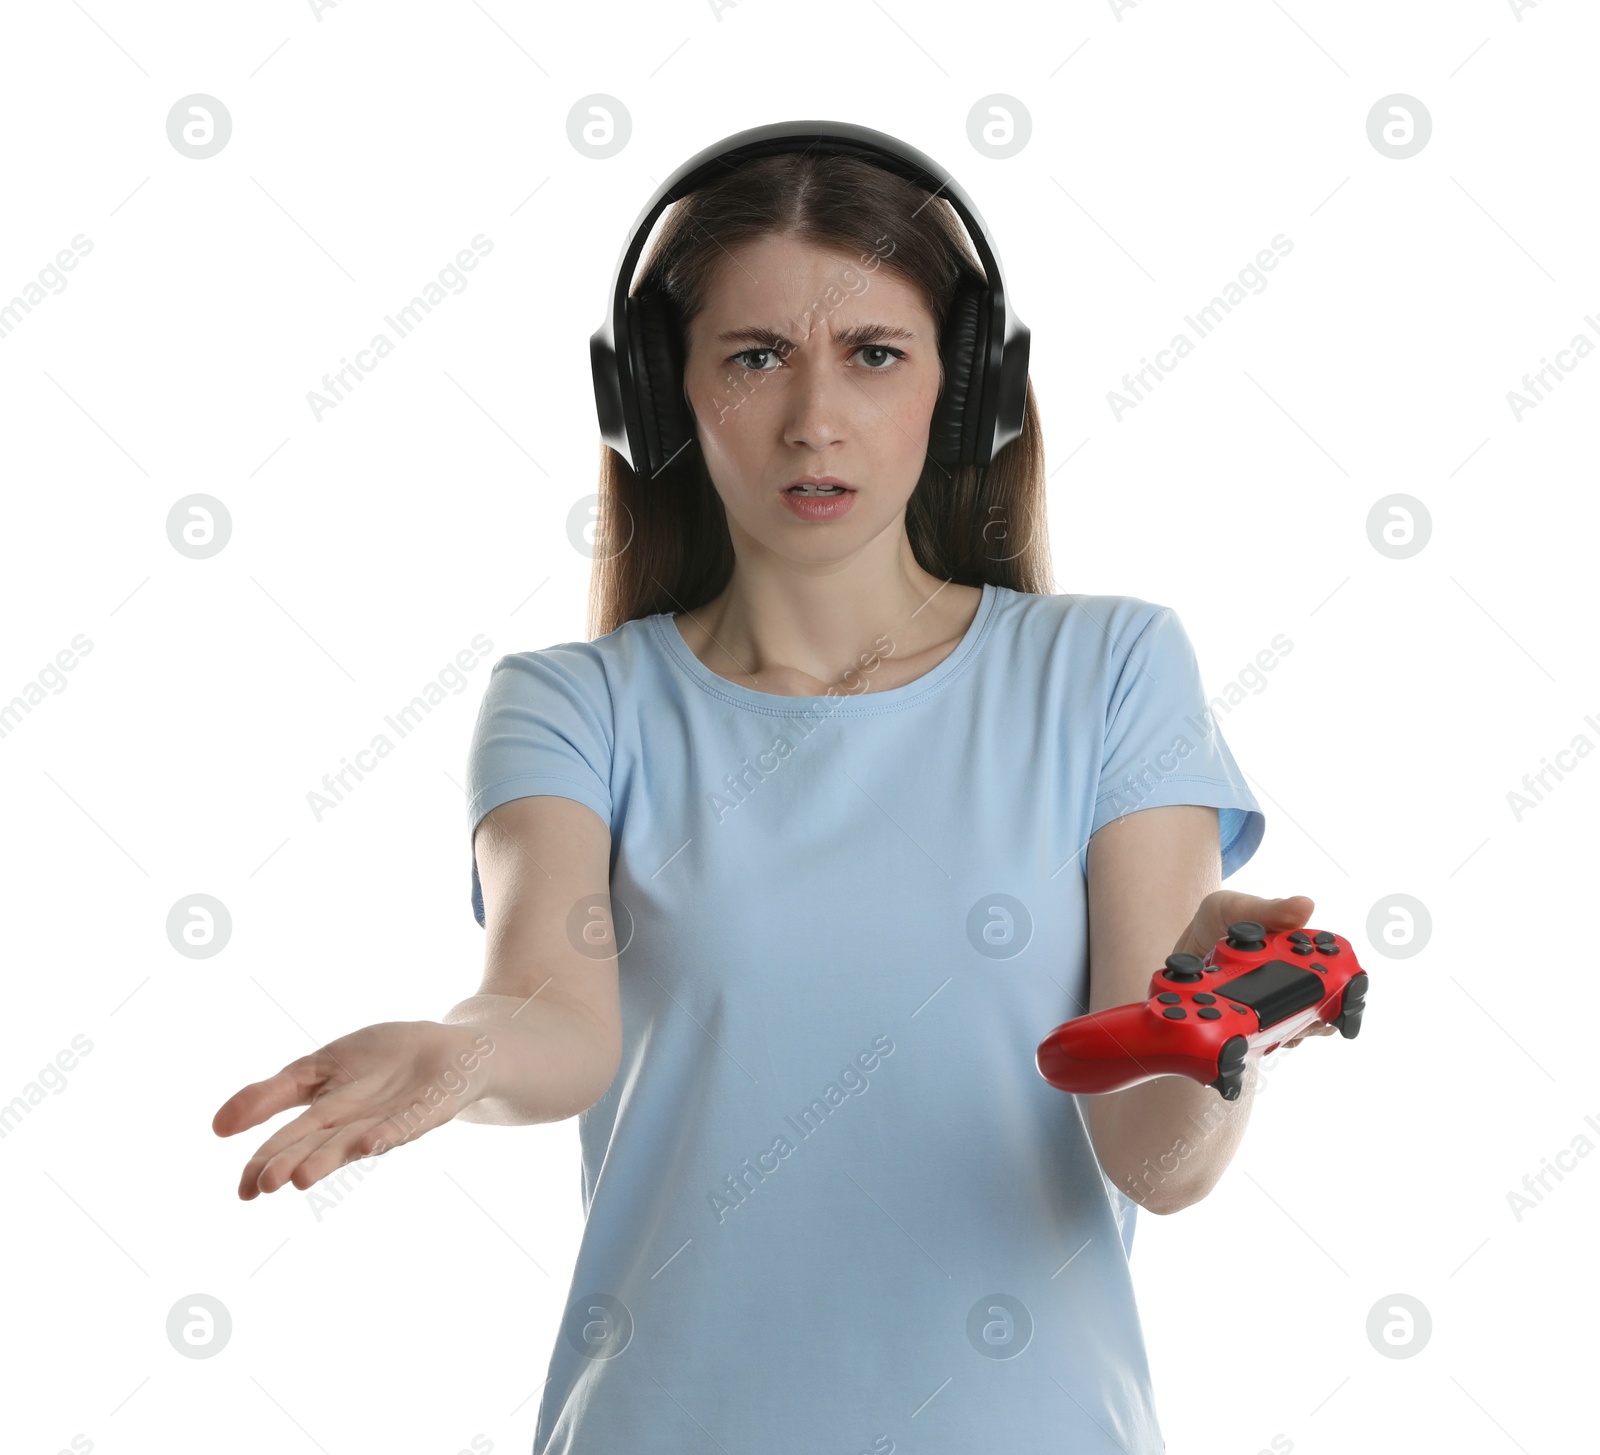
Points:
[1184,968]
[1205,1019]
[1246,934]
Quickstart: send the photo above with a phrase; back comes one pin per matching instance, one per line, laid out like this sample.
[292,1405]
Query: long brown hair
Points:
[662,544]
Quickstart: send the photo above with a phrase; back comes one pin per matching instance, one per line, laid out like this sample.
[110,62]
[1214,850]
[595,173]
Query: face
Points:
[808,362]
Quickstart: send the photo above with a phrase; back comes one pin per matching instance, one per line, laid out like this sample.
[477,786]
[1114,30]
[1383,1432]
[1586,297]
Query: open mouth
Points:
[819,499]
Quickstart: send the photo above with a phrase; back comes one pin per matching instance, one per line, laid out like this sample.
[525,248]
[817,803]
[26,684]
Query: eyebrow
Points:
[855,335]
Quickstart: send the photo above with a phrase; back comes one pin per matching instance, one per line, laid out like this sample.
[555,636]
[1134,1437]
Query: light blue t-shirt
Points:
[832,1206]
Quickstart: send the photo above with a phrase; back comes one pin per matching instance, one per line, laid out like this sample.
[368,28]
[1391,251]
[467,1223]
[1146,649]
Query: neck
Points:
[818,624]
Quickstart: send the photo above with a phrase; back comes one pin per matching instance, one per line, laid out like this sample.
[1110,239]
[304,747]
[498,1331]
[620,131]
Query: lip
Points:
[819,507]
[818,480]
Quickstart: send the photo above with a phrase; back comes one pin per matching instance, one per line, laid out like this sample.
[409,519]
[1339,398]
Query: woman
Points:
[786,872]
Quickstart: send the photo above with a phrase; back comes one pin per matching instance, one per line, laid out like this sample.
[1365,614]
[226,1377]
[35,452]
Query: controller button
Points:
[1329,949]
[1246,934]
[1322,968]
[1183,968]
[1303,949]
[1238,1008]
[1169,997]
[1209,1013]
[1324,937]
[1204,997]
[1300,937]
[1174,1012]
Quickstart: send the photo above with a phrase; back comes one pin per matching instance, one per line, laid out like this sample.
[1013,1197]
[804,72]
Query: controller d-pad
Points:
[1175,1012]
[1204,997]
[1324,937]
[1209,1013]
[1299,948]
[1300,937]
[1169,997]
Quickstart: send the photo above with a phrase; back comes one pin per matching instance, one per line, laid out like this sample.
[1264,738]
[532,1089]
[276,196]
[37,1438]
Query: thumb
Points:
[1290,911]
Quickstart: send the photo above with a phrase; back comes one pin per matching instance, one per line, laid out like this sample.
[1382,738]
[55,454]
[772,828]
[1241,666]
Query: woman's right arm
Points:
[541,1041]
[549,1000]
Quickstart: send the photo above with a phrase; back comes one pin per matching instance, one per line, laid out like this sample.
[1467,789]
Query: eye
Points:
[898,354]
[746,353]
[883,366]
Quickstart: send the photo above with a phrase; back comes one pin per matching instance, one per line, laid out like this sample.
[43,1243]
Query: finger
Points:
[307,1131]
[349,1144]
[295,1164]
[296,1085]
[371,1132]
[327,1112]
[1223,907]
[269,1172]
[1288,913]
[1322,1028]
[291,1142]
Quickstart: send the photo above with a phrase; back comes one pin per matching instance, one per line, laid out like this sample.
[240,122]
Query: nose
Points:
[816,405]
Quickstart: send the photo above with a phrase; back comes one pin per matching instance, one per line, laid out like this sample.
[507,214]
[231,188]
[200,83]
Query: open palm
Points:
[363,1093]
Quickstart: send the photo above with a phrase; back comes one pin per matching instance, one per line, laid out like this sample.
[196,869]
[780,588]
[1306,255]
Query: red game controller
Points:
[1204,1017]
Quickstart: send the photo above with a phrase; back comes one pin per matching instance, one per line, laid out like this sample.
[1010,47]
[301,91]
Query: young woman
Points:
[786,872]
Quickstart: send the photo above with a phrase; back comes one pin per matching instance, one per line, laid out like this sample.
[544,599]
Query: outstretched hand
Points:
[1220,909]
[363,1093]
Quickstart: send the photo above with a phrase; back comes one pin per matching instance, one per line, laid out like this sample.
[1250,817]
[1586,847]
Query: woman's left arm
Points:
[1154,888]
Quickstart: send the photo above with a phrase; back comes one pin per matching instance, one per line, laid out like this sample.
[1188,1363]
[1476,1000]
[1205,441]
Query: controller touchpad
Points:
[1275,991]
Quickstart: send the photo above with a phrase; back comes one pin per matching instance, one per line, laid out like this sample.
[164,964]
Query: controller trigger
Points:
[1353,1002]
[1230,1068]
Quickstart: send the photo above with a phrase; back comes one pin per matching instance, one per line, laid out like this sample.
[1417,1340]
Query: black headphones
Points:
[638,360]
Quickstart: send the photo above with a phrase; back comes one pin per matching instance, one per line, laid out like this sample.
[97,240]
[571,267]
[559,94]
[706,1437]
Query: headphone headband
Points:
[993,397]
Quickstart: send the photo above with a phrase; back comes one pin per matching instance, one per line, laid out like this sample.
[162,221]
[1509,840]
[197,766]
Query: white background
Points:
[1169,144]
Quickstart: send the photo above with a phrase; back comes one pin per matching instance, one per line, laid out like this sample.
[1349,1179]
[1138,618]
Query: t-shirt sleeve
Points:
[1163,744]
[543,727]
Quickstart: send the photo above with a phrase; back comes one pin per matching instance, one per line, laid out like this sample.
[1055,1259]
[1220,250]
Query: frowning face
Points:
[807,363]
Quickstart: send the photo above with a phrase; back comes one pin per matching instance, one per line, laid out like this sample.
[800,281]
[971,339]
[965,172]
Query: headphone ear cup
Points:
[664,415]
[952,432]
